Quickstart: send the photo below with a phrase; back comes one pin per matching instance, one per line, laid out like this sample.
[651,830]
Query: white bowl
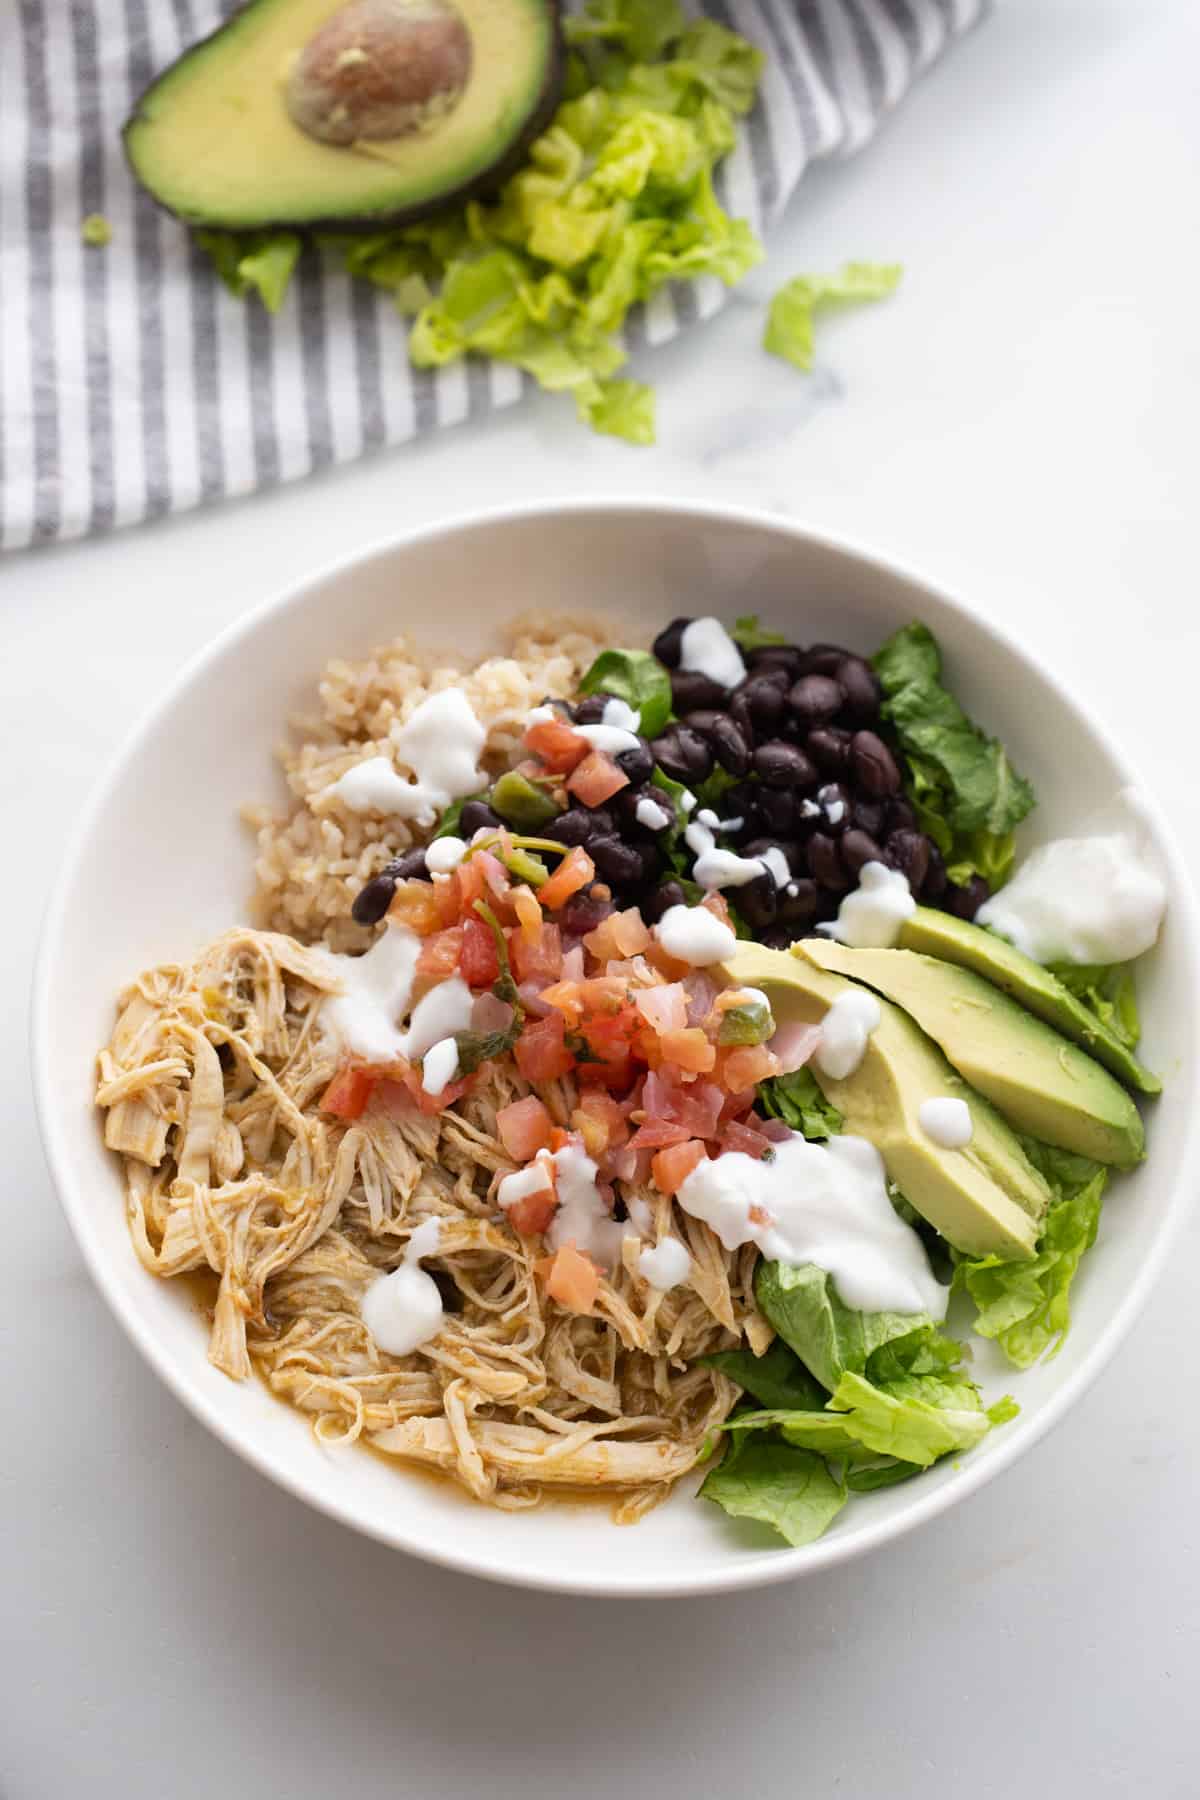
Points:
[160,863]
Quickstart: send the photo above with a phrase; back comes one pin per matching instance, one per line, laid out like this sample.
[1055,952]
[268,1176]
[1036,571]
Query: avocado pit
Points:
[379,69]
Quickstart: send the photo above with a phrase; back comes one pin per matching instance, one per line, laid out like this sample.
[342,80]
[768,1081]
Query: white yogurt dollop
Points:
[707,648]
[870,917]
[366,1016]
[653,816]
[825,1204]
[1091,899]
[444,854]
[440,1065]
[695,935]
[403,1309]
[946,1120]
[582,1218]
[441,744]
[666,1265]
[844,1032]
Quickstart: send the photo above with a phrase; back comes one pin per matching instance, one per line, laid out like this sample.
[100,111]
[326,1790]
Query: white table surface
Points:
[1020,423]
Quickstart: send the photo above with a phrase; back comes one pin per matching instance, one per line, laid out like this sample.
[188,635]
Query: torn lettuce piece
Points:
[258,262]
[1026,1307]
[793,1490]
[797,1100]
[1108,991]
[790,321]
[777,1379]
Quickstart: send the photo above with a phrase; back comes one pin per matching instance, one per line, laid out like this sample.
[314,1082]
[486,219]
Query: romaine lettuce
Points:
[799,1102]
[789,327]
[791,1489]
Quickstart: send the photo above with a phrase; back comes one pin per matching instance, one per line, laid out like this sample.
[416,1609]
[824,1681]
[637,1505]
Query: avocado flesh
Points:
[1040,1082]
[212,139]
[956,941]
[986,1199]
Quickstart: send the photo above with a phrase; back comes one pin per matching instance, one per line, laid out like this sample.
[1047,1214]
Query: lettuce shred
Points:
[790,322]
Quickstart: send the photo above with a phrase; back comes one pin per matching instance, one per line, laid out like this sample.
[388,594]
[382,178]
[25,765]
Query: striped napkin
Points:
[133,385]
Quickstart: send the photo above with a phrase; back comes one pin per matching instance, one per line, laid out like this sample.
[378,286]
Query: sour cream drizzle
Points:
[825,1204]
[376,989]
[403,1309]
[1089,899]
[870,917]
[441,743]
[707,648]
[845,1029]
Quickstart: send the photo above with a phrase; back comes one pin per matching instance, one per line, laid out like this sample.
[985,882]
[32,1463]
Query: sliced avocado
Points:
[1040,1082]
[314,112]
[956,941]
[986,1199]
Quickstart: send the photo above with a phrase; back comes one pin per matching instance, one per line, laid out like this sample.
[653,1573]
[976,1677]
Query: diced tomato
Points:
[495,875]
[469,884]
[622,934]
[441,954]
[671,1167]
[596,779]
[658,1134]
[414,904]
[599,1121]
[573,1280]
[574,871]
[437,1103]
[745,1067]
[599,996]
[541,1050]
[559,1139]
[347,1095]
[445,898]
[665,963]
[537,958]
[479,963]
[534,1213]
[689,1049]
[529,913]
[524,1128]
[735,1136]
[559,747]
[627,1164]
[716,904]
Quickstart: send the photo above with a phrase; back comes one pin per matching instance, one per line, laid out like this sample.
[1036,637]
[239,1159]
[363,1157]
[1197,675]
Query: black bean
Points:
[616,861]
[799,907]
[908,851]
[900,816]
[869,816]
[726,739]
[668,645]
[573,827]
[683,755]
[873,765]
[373,900]
[583,912]
[590,710]
[829,748]
[825,863]
[778,937]
[637,763]
[829,902]
[860,684]
[779,811]
[690,690]
[652,862]
[756,901]
[477,815]
[835,804]
[741,800]
[783,765]
[814,701]
[789,657]
[668,895]
[410,866]
[823,659]
[859,848]
[935,876]
[791,852]
[762,700]
[965,902]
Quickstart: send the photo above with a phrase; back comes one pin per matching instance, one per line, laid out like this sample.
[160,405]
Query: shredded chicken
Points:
[210,1087]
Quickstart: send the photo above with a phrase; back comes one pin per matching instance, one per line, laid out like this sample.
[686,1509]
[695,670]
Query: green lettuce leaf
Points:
[966,794]
[777,1379]
[799,1102]
[829,1338]
[793,1490]
[747,633]
[1109,993]
[789,327]
[1026,1307]
[637,678]
[259,262]
[916,1419]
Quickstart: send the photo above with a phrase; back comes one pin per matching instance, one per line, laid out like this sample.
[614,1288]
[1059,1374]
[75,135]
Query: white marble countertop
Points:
[1020,423]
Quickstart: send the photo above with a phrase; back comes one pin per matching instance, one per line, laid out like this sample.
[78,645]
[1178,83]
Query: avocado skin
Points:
[486,181]
[954,940]
[1039,1081]
[986,1199]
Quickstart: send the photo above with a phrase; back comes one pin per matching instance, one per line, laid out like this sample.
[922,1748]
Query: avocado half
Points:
[214,140]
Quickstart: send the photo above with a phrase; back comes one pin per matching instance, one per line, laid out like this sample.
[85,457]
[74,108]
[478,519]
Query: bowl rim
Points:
[769,1565]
